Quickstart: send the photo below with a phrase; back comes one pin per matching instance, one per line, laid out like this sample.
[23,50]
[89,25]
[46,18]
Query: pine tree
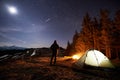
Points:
[103,35]
[73,45]
[87,32]
[106,25]
[95,34]
[83,41]
[117,20]
[67,51]
[116,33]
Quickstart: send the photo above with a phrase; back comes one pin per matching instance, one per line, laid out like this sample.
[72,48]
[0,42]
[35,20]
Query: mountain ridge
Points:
[11,48]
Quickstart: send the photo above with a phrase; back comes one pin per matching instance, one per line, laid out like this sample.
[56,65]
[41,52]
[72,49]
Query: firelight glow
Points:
[75,57]
[12,9]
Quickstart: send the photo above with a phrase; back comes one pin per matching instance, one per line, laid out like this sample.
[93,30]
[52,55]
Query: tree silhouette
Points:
[102,34]
[116,34]
[67,51]
[106,26]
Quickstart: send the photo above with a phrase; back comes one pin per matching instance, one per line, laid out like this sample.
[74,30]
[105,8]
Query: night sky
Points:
[37,23]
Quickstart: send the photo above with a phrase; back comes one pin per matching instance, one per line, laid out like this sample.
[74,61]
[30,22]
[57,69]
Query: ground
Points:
[38,68]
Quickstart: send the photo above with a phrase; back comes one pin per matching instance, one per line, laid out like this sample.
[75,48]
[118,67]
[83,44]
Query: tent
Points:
[34,53]
[94,58]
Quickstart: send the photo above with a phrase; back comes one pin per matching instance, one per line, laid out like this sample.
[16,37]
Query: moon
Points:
[12,10]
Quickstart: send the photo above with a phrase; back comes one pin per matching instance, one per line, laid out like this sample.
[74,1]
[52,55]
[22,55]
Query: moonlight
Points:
[12,9]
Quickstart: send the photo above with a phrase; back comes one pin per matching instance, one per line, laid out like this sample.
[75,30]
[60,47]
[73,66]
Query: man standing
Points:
[54,47]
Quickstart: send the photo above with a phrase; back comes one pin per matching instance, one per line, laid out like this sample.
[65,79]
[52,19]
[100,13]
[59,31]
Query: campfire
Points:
[73,57]
[76,57]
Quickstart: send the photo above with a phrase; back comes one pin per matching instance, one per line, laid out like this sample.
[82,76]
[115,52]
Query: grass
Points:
[38,68]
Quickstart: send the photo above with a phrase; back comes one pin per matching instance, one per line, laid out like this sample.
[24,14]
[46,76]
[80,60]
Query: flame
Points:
[76,57]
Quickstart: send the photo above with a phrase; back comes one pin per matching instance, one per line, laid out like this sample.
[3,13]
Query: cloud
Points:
[5,38]
[10,30]
[47,20]
[6,44]
[16,30]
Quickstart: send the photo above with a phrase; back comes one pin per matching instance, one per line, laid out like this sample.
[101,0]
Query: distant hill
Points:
[44,51]
[11,48]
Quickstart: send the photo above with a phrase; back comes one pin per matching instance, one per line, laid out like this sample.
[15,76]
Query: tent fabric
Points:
[34,53]
[94,58]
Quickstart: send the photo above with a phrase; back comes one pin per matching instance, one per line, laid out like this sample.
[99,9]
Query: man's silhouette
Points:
[54,47]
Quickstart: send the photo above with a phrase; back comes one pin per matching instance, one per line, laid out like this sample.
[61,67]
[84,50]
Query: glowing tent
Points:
[94,58]
[34,53]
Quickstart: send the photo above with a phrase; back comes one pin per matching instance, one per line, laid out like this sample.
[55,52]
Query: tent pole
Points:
[96,58]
